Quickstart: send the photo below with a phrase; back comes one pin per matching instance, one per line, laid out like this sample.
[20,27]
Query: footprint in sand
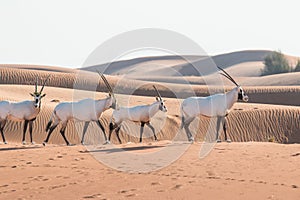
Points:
[296,154]
[123,191]
[131,195]
[178,186]
[155,183]
[3,186]
[57,186]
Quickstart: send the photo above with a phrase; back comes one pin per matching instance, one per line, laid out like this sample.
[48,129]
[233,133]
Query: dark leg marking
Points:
[117,133]
[111,129]
[48,125]
[187,129]
[225,129]
[86,125]
[219,121]
[2,125]
[30,130]
[102,128]
[153,130]
[62,132]
[24,130]
[142,130]
[51,129]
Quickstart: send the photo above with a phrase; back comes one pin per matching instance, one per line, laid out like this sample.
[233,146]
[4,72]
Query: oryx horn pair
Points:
[228,76]
[36,85]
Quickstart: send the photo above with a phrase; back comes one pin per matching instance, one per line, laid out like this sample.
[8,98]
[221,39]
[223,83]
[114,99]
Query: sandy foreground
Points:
[231,171]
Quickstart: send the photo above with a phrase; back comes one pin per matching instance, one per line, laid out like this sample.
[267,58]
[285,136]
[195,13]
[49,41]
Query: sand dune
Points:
[247,122]
[265,169]
[169,87]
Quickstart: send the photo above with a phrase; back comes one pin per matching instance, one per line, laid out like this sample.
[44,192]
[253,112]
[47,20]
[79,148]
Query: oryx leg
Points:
[102,128]
[111,128]
[30,131]
[24,131]
[219,121]
[186,125]
[2,125]
[117,133]
[86,125]
[153,130]
[51,129]
[225,129]
[62,132]
[142,130]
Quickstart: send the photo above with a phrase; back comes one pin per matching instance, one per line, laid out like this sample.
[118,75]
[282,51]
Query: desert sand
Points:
[231,171]
[261,162]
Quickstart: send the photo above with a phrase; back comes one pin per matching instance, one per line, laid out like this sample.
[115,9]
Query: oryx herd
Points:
[90,110]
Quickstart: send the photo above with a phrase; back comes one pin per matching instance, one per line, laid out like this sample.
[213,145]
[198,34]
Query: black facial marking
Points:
[240,96]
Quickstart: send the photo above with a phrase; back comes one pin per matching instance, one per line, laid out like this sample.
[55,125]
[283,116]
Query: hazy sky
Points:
[65,32]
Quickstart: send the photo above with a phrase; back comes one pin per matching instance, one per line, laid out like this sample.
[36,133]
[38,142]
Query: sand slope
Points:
[230,171]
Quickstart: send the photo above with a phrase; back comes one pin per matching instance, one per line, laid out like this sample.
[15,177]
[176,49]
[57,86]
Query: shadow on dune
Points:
[18,148]
[115,150]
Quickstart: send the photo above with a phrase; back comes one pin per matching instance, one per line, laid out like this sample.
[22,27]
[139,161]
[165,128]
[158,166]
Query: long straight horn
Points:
[106,83]
[44,84]
[227,76]
[36,85]
[157,92]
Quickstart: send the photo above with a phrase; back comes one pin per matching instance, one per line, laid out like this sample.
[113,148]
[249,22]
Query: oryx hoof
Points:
[219,141]
[106,142]
[4,142]
[82,143]
[191,139]
[23,142]
[44,144]
[228,140]
[33,143]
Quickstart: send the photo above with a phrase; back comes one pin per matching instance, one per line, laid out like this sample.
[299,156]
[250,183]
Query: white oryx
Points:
[86,110]
[217,105]
[26,111]
[140,114]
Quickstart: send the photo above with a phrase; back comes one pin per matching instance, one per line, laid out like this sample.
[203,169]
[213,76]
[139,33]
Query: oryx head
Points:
[241,94]
[38,95]
[162,106]
[113,101]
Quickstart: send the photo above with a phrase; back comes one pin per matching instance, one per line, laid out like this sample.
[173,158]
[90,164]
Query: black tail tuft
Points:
[48,125]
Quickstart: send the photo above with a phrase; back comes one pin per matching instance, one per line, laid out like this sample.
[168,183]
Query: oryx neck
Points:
[232,97]
[108,102]
[153,109]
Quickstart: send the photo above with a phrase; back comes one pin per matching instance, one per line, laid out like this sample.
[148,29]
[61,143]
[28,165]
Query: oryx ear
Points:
[31,94]
[164,100]
[43,95]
